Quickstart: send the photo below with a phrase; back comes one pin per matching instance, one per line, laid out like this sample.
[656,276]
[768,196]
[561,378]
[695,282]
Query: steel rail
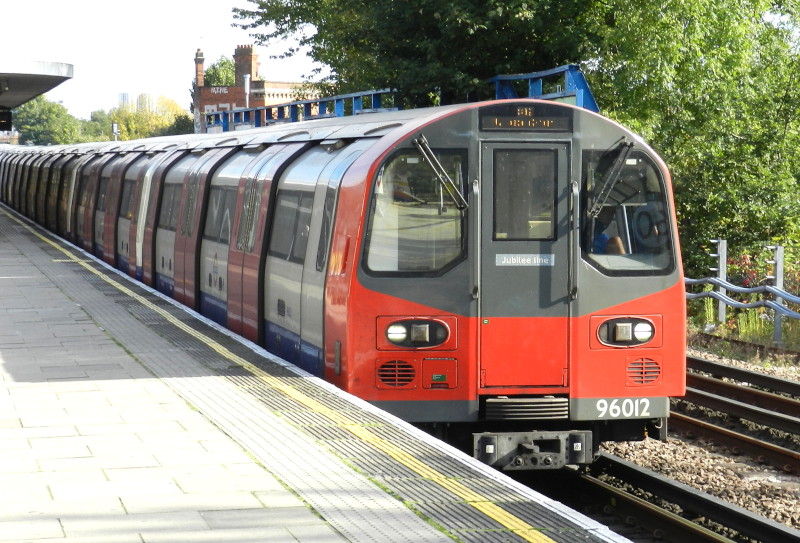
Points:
[663,524]
[731,516]
[780,421]
[761,451]
[775,384]
[745,394]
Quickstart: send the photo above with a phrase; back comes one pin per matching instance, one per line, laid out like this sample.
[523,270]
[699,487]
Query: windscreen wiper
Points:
[610,179]
[452,190]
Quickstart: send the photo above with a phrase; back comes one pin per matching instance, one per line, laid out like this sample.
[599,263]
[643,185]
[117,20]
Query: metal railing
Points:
[565,83]
[776,291]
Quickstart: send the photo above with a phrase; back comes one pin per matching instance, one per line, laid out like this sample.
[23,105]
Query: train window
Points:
[101,196]
[247,219]
[626,225]
[187,226]
[170,201]
[126,199]
[291,227]
[221,204]
[326,227]
[525,194]
[414,227]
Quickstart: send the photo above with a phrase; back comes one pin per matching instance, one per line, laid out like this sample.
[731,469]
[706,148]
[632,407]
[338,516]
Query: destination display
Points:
[526,118]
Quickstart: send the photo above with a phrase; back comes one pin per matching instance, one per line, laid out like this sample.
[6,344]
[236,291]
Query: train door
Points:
[151,215]
[525,260]
[108,222]
[246,254]
[190,228]
[312,299]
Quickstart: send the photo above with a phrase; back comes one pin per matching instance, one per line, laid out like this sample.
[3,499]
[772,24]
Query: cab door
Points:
[524,271]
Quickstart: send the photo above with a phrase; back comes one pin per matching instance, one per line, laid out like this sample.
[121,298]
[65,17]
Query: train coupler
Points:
[533,450]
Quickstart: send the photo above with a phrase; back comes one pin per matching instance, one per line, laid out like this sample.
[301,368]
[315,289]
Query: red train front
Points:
[525,285]
[506,273]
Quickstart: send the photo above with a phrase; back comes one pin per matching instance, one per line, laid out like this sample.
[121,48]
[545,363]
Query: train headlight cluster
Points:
[416,333]
[625,332]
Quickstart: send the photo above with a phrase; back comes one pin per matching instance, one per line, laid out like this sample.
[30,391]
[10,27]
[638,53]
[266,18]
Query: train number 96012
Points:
[624,408]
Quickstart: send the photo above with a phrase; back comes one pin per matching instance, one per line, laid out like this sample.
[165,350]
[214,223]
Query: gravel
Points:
[717,471]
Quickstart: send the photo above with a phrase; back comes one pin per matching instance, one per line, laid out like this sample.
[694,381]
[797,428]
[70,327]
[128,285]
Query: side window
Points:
[170,200]
[247,219]
[221,203]
[414,226]
[291,225]
[126,198]
[326,228]
[626,219]
[187,226]
[101,195]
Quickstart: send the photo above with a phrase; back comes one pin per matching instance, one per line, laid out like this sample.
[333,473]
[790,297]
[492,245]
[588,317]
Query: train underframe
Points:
[535,445]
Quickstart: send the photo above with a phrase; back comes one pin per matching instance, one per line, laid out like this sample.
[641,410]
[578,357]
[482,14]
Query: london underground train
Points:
[506,272]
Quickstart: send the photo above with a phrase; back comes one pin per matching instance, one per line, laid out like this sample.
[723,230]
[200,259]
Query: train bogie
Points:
[508,270]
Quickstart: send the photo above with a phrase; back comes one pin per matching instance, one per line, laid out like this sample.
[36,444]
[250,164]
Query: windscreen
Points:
[625,218]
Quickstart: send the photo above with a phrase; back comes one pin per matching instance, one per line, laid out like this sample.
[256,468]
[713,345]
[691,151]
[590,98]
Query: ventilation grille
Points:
[643,371]
[397,374]
[527,408]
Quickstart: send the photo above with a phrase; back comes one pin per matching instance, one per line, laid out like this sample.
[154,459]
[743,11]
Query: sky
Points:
[133,47]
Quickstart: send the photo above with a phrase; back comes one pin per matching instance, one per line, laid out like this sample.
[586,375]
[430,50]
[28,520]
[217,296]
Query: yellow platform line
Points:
[472,498]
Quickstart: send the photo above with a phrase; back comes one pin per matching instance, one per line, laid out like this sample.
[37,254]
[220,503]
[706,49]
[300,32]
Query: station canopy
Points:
[22,81]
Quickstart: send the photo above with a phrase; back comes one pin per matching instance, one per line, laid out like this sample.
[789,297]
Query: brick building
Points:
[261,92]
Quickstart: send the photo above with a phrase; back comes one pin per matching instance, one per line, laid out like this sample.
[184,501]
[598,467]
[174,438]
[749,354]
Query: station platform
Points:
[125,418]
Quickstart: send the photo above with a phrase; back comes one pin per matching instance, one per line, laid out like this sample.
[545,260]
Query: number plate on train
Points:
[618,408]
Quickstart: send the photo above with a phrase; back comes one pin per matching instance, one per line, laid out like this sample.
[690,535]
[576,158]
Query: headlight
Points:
[643,331]
[397,333]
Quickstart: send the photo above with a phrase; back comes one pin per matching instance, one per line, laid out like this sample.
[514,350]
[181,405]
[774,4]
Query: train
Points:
[506,274]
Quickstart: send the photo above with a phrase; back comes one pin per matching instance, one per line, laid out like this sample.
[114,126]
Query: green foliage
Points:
[41,122]
[220,74]
[147,120]
[181,124]
[440,49]
[710,84]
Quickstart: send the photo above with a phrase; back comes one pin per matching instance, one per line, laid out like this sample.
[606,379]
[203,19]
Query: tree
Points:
[41,122]
[222,73]
[711,84]
[147,119]
[712,89]
[424,48]
[182,124]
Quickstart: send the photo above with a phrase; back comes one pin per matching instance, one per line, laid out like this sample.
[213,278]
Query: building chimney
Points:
[246,63]
[199,75]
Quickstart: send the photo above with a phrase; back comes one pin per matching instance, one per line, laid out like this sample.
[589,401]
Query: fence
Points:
[723,286]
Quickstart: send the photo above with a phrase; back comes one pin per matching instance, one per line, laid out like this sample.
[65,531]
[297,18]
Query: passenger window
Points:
[326,227]
[626,222]
[291,226]
[101,195]
[221,204]
[247,219]
[193,185]
[168,218]
[525,194]
[414,226]
[126,198]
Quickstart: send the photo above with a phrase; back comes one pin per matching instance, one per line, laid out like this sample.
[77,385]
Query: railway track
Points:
[653,507]
[694,505]
[777,407]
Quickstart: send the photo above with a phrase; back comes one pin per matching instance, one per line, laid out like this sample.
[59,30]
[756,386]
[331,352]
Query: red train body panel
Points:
[505,273]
